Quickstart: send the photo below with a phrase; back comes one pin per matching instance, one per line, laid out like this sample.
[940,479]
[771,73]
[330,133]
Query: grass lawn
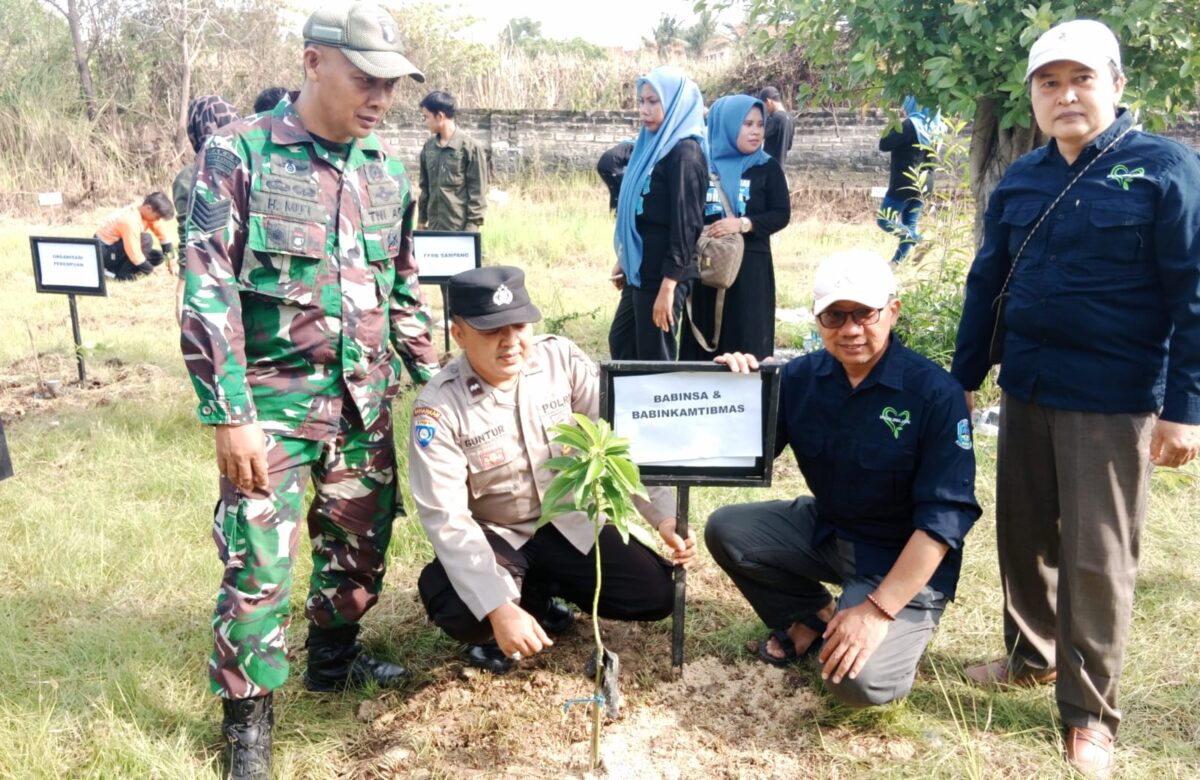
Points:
[111,575]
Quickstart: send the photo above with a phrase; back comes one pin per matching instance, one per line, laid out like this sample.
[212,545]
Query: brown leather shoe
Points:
[1090,752]
[998,674]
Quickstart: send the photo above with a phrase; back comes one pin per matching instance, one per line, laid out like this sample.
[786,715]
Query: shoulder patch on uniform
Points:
[424,434]
[426,411]
[220,160]
[209,216]
[964,434]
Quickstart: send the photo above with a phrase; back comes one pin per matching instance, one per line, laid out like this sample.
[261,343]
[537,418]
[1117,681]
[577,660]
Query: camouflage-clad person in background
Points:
[206,115]
[299,273]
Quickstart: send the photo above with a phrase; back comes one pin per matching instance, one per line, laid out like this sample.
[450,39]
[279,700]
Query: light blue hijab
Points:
[725,118]
[928,125]
[683,117]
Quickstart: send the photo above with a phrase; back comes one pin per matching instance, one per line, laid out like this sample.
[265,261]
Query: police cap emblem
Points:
[503,296]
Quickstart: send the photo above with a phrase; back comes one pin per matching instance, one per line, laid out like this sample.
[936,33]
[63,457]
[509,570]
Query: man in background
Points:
[780,125]
[127,247]
[269,98]
[611,167]
[206,115]
[453,171]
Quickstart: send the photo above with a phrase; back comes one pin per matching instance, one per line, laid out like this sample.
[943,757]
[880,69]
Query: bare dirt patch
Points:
[50,382]
[738,719]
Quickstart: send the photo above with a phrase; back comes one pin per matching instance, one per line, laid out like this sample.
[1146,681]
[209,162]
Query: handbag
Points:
[1000,303]
[719,260]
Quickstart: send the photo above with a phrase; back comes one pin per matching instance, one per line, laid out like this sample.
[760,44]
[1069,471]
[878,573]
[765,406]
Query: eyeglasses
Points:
[834,319]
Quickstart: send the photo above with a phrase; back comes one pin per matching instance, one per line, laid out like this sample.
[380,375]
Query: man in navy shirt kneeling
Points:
[882,437]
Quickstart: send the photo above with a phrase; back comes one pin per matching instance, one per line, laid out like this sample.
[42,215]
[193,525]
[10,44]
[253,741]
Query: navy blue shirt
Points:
[1104,314]
[884,459]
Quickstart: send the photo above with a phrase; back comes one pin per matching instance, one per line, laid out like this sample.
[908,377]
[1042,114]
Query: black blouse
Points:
[673,215]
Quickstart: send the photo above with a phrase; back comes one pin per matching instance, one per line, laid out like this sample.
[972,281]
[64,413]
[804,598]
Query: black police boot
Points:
[488,657]
[247,731]
[559,618]
[336,661]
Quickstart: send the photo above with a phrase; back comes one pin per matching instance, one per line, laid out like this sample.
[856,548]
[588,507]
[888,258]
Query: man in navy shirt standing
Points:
[1100,372]
[882,438]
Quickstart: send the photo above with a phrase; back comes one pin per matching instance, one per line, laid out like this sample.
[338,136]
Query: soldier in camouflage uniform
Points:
[299,274]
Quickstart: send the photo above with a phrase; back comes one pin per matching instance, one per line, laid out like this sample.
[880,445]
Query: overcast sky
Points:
[604,22]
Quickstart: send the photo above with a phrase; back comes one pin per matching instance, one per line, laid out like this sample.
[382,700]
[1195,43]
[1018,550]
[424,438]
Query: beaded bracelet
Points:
[871,598]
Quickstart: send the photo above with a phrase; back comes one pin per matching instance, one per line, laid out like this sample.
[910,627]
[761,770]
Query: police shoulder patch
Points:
[208,216]
[220,160]
[424,434]
[963,438]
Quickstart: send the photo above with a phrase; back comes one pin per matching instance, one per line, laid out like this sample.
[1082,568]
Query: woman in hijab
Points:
[756,189]
[660,212]
[910,181]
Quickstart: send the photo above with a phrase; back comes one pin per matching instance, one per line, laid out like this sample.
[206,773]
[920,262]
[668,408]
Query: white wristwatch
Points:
[746,224]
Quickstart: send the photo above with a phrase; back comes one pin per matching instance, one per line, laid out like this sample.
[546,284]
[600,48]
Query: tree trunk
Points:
[992,151]
[81,59]
[185,93]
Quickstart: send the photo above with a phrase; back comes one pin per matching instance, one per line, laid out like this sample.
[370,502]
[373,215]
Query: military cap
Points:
[492,297]
[366,34]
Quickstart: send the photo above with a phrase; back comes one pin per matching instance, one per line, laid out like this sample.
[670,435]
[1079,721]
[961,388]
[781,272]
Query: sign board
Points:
[50,199]
[441,254]
[879,192]
[693,423]
[70,266]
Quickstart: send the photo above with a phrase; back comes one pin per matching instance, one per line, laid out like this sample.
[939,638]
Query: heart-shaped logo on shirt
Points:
[895,420]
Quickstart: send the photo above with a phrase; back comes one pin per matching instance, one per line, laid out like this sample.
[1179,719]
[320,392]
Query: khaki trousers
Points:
[1070,505]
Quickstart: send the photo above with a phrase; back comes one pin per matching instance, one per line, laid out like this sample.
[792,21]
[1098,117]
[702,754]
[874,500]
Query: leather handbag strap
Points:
[718,314]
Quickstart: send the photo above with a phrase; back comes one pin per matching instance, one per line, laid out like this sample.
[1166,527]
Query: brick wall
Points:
[843,144]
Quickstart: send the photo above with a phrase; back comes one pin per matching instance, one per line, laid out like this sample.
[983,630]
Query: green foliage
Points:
[932,299]
[595,475]
[953,53]
[526,34]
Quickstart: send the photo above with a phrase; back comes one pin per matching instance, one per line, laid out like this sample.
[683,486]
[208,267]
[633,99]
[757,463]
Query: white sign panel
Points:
[68,265]
[700,419]
[442,255]
[50,199]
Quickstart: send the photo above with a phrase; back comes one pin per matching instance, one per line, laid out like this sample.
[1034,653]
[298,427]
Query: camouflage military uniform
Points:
[299,273]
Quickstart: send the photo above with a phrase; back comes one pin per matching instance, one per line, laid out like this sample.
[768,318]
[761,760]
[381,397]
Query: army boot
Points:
[336,661]
[247,731]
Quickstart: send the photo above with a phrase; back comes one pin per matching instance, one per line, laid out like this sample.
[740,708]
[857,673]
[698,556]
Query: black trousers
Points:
[635,581]
[116,259]
[633,334]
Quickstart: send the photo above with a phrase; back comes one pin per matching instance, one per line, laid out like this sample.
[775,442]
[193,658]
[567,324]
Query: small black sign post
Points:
[69,266]
[707,463]
[440,254]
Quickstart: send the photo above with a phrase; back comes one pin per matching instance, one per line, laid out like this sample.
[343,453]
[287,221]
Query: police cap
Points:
[492,297]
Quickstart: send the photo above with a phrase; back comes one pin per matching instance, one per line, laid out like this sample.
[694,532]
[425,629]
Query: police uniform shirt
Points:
[883,459]
[475,461]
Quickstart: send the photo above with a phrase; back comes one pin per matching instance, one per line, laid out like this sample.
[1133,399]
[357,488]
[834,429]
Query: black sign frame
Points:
[100,290]
[442,279]
[759,475]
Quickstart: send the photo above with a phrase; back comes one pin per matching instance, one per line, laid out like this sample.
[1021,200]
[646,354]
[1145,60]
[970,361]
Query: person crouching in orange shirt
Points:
[127,248]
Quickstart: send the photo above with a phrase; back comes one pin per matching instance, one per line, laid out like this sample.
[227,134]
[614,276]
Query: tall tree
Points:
[665,33]
[521,31]
[699,34]
[968,57]
[75,13]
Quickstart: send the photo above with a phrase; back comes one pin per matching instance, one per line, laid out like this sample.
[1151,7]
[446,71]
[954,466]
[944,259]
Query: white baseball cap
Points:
[857,275]
[1085,41]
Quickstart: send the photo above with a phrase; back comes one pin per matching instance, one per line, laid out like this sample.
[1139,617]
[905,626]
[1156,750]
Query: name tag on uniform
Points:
[265,202]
